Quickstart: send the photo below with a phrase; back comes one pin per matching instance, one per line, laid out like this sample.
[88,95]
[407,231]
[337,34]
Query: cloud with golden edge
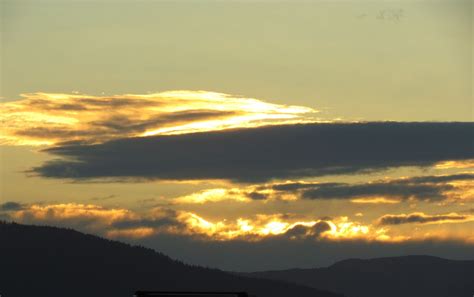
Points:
[446,188]
[213,195]
[48,119]
[376,200]
[454,187]
[123,223]
[265,226]
[243,194]
[422,218]
[134,233]
[71,211]
[466,164]
[119,222]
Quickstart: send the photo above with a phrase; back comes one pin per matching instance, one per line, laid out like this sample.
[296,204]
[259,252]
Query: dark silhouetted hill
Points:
[53,262]
[409,276]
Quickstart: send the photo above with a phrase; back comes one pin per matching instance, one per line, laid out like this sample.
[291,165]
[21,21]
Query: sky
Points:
[289,134]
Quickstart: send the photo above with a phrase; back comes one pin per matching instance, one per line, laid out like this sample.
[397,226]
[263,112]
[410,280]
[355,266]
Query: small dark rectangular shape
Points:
[189,294]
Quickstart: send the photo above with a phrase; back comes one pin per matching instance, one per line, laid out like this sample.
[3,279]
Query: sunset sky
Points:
[244,135]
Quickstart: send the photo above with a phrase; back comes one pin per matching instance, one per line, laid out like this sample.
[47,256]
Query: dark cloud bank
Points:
[11,206]
[426,188]
[260,154]
[419,218]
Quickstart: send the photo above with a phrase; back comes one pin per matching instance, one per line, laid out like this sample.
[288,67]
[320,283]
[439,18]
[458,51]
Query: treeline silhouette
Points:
[41,261]
[409,276]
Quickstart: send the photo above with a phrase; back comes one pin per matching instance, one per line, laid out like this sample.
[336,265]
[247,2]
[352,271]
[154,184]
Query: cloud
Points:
[83,216]
[159,218]
[262,226]
[455,164]
[152,223]
[48,119]
[127,224]
[265,153]
[120,222]
[214,195]
[97,219]
[403,191]
[421,218]
[301,231]
[375,200]
[432,188]
[11,206]
[131,233]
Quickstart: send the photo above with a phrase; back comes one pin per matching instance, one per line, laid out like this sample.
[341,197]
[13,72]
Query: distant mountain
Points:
[409,276]
[53,262]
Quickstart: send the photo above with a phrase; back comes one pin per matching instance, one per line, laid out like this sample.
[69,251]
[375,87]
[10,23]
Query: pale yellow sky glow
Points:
[47,119]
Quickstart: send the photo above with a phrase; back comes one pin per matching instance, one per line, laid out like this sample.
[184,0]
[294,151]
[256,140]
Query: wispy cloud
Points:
[46,119]
[424,188]
[431,188]
[421,218]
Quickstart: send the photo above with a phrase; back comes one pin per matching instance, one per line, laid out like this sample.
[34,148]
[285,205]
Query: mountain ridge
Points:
[408,276]
[40,261]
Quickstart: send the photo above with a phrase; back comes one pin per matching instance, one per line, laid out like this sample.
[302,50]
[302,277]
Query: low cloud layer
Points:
[120,222]
[124,223]
[261,154]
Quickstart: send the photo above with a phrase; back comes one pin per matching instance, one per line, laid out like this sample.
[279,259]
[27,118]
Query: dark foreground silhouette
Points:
[189,294]
[410,276]
[54,262]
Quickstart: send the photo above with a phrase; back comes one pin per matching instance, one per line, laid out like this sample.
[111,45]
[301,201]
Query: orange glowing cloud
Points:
[213,195]
[131,233]
[264,226]
[46,119]
[71,211]
[123,223]
[376,200]
[466,164]
[438,188]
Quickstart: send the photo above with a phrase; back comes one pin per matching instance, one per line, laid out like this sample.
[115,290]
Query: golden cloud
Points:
[445,188]
[213,195]
[46,119]
[263,226]
[376,200]
[123,223]
[467,164]
[140,232]
[71,211]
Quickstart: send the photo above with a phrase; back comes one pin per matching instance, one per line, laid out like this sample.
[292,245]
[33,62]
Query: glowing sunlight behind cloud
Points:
[46,119]
[455,164]
[124,223]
